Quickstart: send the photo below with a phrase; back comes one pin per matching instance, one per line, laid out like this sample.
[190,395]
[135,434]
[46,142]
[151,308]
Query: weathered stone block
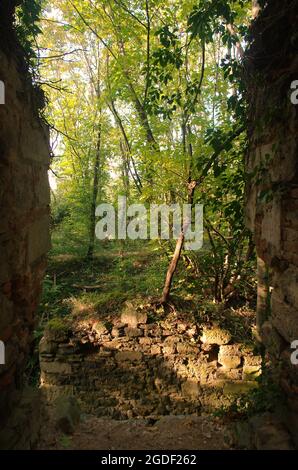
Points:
[216,335]
[133,332]
[229,374]
[145,341]
[60,368]
[238,387]
[169,349]
[47,347]
[253,360]
[132,317]
[155,350]
[190,389]
[186,348]
[229,356]
[132,356]
[100,328]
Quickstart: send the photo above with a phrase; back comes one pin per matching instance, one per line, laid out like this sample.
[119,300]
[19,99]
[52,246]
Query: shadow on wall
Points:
[134,369]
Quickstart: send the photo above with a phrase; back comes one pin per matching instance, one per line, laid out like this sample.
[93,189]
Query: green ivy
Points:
[27,29]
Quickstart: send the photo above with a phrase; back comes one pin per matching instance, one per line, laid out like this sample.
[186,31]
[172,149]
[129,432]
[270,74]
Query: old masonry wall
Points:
[272,190]
[24,235]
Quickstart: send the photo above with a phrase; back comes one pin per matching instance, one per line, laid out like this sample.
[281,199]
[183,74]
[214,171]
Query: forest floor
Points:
[168,433]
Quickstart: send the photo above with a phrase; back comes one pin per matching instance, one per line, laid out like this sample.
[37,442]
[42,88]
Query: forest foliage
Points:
[144,99]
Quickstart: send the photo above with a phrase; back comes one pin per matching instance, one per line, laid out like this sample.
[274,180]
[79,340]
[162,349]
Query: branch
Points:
[148,50]
[93,30]
[216,154]
[61,55]
[217,232]
[200,83]
[124,7]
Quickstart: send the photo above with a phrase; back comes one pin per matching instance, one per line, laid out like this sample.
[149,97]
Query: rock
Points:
[167,333]
[158,383]
[253,361]
[190,389]
[215,335]
[229,356]
[131,317]
[55,368]
[115,332]
[145,341]
[58,334]
[191,332]
[67,414]
[207,372]
[251,372]
[229,374]
[47,347]
[169,349]
[186,348]
[238,387]
[155,350]
[133,332]
[181,327]
[67,349]
[132,356]
[100,328]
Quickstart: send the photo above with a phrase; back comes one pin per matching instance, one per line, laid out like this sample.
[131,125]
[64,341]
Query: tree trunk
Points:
[179,245]
[96,171]
[172,268]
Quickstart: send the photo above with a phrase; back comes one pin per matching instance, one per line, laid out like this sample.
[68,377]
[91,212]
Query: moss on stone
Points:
[59,324]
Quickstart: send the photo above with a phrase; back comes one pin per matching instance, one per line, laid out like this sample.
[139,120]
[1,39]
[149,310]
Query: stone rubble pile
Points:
[133,367]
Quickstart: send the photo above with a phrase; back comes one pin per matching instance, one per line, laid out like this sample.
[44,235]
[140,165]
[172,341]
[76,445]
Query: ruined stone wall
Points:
[24,234]
[133,366]
[272,190]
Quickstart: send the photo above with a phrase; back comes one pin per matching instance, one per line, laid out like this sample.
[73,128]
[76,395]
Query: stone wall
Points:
[24,234]
[272,190]
[132,366]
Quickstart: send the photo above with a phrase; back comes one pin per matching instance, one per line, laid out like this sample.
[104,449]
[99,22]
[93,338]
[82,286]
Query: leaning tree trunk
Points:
[179,245]
[96,171]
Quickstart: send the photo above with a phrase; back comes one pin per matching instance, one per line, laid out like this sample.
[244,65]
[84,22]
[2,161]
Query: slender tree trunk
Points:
[96,171]
[133,171]
[125,170]
[172,268]
[179,245]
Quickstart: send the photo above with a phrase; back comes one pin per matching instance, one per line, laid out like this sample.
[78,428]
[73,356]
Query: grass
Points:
[116,275]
